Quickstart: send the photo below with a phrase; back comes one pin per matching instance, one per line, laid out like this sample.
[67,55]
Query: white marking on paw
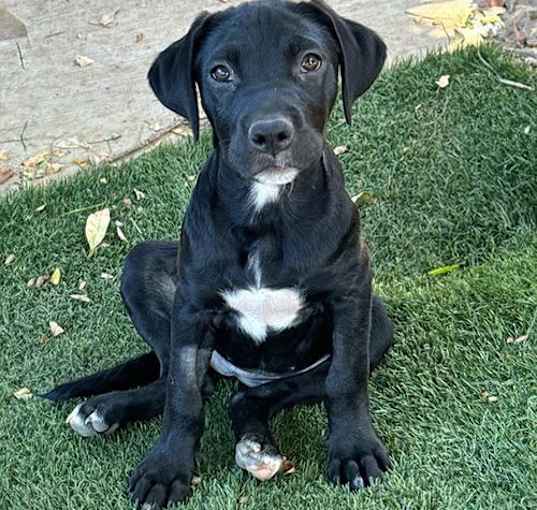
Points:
[263,308]
[268,186]
[78,423]
[260,464]
[92,425]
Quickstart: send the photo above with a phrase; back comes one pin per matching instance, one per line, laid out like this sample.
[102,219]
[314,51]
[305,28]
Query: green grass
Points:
[455,176]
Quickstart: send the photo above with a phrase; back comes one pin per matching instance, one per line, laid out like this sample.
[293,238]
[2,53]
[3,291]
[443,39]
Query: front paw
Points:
[159,481]
[357,461]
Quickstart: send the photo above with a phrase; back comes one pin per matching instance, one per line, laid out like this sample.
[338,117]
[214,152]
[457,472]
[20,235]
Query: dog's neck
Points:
[248,201]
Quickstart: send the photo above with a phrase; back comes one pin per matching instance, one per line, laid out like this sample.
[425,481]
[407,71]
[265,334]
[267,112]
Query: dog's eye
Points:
[311,62]
[221,73]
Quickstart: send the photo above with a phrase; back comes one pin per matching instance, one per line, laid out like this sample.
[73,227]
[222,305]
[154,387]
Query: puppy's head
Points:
[267,73]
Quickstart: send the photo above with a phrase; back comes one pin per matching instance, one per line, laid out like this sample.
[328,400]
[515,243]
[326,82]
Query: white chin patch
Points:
[268,186]
[261,309]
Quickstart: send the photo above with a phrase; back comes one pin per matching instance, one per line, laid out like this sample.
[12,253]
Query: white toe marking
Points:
[260,464]
[78,423]
[263,308]
[97,422]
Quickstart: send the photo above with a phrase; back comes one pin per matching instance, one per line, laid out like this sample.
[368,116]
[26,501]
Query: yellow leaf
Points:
[443,81]
[465,37]
[96,227]
[444,270]
[451,14]
[55,328]
[4,156]
[56,276]
[23,394]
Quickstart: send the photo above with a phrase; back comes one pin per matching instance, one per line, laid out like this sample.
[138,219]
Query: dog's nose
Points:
[271,135]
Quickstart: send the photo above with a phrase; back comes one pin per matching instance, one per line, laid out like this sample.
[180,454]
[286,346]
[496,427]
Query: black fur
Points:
[267,119]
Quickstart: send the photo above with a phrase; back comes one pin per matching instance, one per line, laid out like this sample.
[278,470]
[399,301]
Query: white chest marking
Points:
[263,308]
[268,186]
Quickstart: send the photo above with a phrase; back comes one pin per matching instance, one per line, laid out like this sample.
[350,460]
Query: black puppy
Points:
[270,282]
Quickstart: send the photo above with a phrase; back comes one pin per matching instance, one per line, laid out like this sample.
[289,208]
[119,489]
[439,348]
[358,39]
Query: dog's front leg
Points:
[165,475]
[356,455]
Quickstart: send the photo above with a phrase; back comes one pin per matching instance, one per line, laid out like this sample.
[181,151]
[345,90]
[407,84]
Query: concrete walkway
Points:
[72,76]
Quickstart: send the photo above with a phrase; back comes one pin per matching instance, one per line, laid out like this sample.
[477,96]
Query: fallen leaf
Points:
[139,37]
[80,162]
[96,227]
[41,208]
[55,328]
[120,234]
[443,81]
[36,159]
[527,130]
[107,19]
[242,499]
[107,276]
[364,198]
[465,37]
[450,15]
[4,156]
[23,394]
[80,297]
[55,277]
[31,283]
[82,284]
[102,180]
[82,61]
[41,280]
[287,468]
[517,340]
[190,178]
[340,149]
[53,168]
[127,202]
[196,480]
[6,174]
[138,194]
[9,259]
[444,270]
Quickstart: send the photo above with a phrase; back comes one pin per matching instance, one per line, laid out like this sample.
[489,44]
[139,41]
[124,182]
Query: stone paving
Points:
[73,87]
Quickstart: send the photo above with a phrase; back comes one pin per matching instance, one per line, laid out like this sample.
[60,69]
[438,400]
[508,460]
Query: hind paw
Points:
[88,421]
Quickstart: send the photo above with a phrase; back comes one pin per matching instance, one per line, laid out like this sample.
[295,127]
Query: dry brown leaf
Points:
[517,340]
[55,277]
[55,328]
[96,227]
[23,394]
[287,468]
[53,168]
[9,259]
[80,297]
[139,37]
[120,234]
[340,149]
[41,208]
[82,61]
[6,174]
[140,195]
[36,159]
[4,155]
[443,81]
[80,162]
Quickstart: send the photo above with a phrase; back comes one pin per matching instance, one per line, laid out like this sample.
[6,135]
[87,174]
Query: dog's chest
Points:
[261,309]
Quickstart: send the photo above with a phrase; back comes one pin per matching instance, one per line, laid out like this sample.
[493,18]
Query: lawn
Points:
[452,178]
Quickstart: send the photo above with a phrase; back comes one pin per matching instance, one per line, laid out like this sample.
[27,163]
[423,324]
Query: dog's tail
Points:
[131,374]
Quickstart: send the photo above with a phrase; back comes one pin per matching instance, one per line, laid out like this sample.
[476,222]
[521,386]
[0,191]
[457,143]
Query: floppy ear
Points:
[172,75]
[362,55]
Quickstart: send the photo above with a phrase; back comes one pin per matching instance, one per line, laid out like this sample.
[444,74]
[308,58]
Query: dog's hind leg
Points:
[135,372]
